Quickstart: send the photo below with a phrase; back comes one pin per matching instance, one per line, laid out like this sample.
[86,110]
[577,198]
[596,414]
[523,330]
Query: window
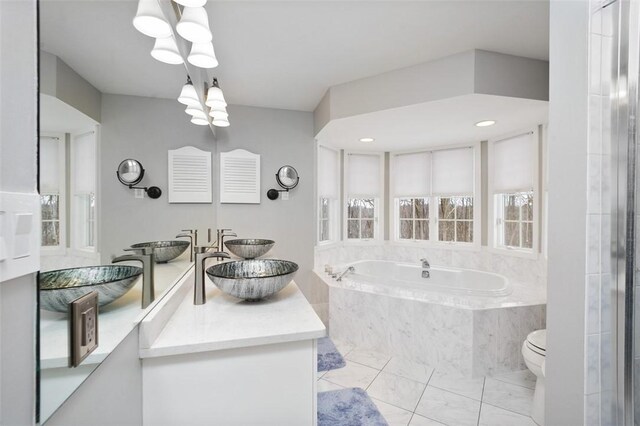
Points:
[363,194]
[455,219]
[513,164]
[413,218]
[454,187]
[83,186]
[514,220]
[328,194]
[52,190]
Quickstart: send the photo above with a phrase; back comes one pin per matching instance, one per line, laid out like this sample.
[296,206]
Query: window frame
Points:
[379,201]
[433,202]
[534,251]
[398,219]
[61,248]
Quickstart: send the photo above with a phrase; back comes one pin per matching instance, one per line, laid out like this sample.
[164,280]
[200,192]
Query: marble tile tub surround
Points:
[470,342]
[516,269]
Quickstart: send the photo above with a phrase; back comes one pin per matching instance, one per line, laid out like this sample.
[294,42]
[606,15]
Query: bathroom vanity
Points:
[230,361]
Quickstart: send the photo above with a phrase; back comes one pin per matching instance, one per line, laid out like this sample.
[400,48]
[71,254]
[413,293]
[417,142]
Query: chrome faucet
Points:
[148,260]
[192,234]
[345,272]
[221,234]
[199,297]
[426,268]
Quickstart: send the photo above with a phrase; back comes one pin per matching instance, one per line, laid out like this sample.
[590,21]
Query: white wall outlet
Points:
[19,234]
[83,327]
[285,195]
[138,193]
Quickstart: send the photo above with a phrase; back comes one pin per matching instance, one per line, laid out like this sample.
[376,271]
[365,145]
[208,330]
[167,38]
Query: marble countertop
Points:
[115,321]
[225,322]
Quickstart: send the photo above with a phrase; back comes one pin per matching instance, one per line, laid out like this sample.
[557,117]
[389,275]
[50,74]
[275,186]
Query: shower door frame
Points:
[624,101]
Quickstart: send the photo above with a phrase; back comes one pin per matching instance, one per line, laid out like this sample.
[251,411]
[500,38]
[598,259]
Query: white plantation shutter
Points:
[363,178]
[513,164]
[190,176]
[453,171]
[412,174]
[239,177]
[328,173]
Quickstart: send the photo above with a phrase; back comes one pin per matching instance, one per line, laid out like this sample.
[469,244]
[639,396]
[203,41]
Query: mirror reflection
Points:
[287,177]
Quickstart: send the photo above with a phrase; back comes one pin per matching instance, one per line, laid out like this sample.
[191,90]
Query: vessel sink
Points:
[252,279]
[58,288]
[249,248]
[164,250]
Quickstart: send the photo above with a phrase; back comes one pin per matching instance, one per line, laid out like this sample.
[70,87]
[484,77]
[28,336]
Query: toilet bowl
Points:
[534,350]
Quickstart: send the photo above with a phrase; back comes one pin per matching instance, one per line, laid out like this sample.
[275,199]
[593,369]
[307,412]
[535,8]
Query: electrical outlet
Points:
[83,327]
[138,193]
[285,196]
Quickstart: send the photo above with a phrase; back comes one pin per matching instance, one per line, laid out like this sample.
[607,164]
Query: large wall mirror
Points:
[88,125]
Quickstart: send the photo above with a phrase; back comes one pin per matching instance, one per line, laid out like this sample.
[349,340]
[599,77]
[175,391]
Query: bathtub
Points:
[445,280]
[459,320]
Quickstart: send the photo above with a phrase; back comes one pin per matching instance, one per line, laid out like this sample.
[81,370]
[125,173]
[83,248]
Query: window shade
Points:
[363,175]
[49,165]
[453,171]
[328,173]
[412,174]
[513,164]
[84,163]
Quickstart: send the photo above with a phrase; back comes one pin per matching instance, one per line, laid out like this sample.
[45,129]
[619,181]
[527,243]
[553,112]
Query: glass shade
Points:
[150,20]
[195,111]
[191,3]
[165,50]
[200,121]
[188,95]
[194,25]
[202,55]
[220,112]
[215,98]
[220,122]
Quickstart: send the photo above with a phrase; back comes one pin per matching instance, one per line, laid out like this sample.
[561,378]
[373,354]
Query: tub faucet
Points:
[426,268]
[345,272]
[199,297]
[148,259]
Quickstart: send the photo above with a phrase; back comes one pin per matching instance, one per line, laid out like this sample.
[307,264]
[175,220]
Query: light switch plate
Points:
[83,327]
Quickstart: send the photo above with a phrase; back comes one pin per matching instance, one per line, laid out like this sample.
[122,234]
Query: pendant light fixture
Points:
[202,55]
[191,3]
[194,25]
[150,20]
[188,95]
[220,122]
[165,50]
[219,113]
[200,121]
[215,97]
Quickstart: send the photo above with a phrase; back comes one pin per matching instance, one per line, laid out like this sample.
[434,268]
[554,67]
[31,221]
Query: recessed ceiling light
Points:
[485,123]
[367,139]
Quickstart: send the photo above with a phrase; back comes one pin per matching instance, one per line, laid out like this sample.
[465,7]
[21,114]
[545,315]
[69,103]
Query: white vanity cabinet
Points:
[230,362]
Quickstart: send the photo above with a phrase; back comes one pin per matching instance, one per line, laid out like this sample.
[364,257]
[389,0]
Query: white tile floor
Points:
[412,394]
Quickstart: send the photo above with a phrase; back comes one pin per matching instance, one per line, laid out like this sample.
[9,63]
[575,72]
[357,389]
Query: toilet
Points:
[534,350]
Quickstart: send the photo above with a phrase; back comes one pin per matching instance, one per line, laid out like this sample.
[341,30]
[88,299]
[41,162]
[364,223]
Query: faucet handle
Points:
[203,249]
[187,230]
[143,250]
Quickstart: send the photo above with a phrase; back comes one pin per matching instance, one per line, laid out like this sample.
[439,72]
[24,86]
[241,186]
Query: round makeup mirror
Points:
[130,172]
[287,177]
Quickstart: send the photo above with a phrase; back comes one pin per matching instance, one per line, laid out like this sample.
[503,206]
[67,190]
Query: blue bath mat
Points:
[348,407]
[328,356]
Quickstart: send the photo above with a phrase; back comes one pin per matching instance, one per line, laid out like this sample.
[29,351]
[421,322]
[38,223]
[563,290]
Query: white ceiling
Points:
[438,123]
[285,54]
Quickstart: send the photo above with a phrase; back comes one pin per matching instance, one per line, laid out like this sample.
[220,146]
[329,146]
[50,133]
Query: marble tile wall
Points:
[469,342]
[599,377]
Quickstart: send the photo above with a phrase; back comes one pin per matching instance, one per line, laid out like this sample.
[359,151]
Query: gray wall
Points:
[145,129]
[280,137]
[568,127]
[18,142]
